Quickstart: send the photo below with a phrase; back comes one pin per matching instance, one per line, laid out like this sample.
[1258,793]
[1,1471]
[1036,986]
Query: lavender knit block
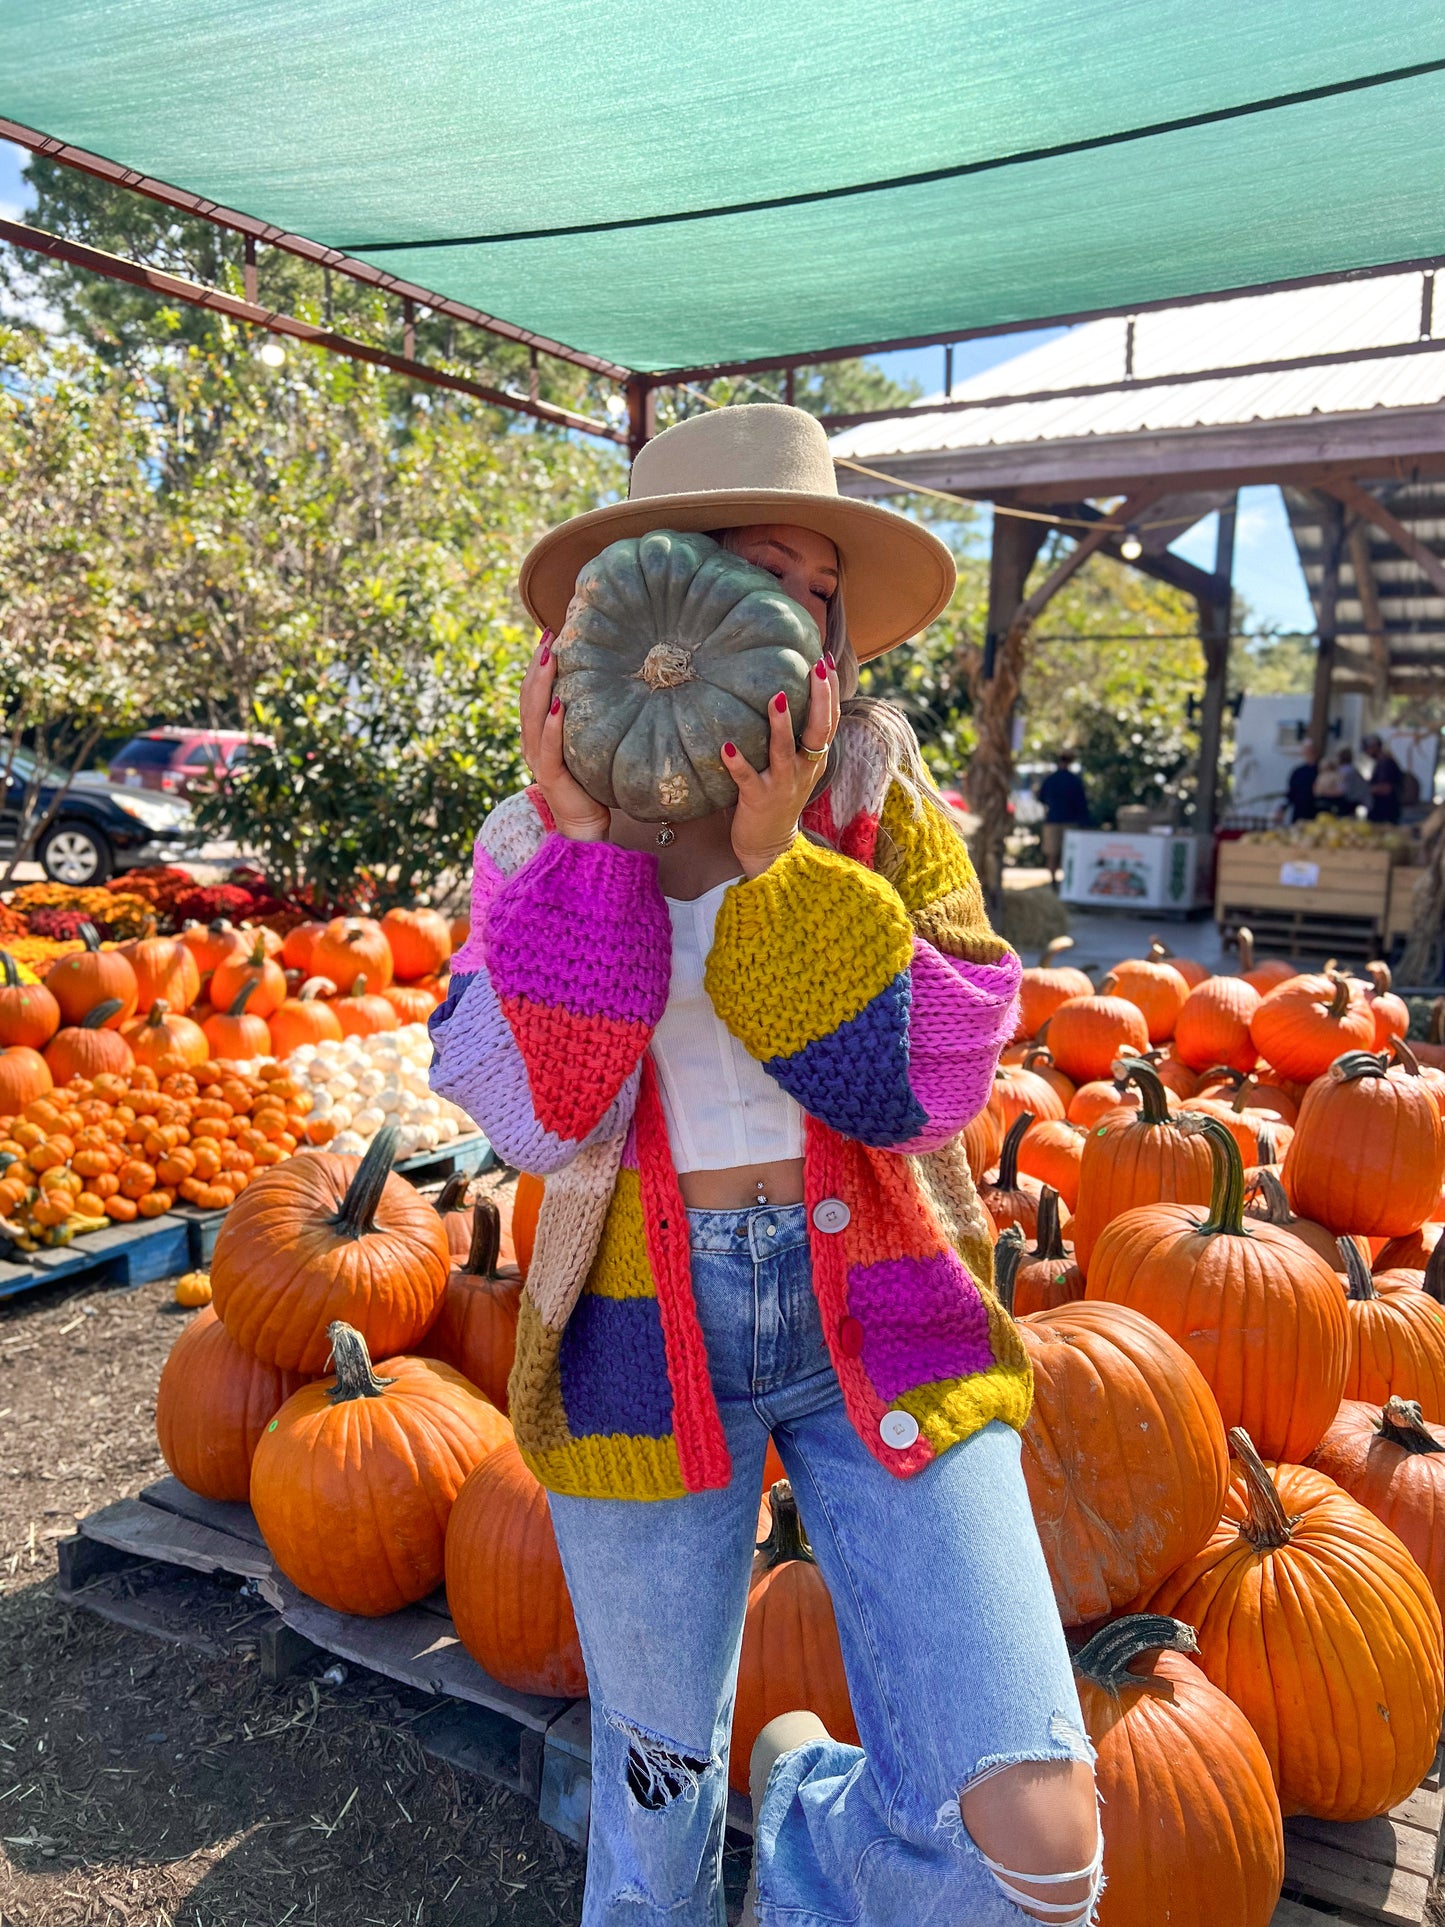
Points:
[856,1077]
[614,1369]
[922,1319]
[583,926]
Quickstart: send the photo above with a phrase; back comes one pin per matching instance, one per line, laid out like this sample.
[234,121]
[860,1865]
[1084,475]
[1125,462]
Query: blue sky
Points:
[1266,570]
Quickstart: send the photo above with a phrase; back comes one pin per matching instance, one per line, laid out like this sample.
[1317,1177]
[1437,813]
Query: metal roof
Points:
[1411,608]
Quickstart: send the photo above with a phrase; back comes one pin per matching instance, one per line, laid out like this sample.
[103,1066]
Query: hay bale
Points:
[1031,917]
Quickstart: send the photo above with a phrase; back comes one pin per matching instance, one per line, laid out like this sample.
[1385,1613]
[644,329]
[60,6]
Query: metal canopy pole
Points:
[1214,628]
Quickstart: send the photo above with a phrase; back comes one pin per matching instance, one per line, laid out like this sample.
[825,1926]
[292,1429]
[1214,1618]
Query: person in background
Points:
[1387,783]
[1354,790]
[1301,790]
[1329,788]
[1065,807]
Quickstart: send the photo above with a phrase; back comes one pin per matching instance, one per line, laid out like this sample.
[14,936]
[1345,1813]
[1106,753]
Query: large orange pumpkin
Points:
[24,1076]
[505,1585]
[164,968]
[86,978]
[526,1205]
[1052,1152]
[1321,1628]
[212,1405]
[476,1328]
[1301,1027]
[29,1014]
[90,1047]
[1213,1025]
[791,1659]
[256,967]
[305,1018]
[167,1041]
[1124,1454]
[354,1480]
[1192,1828]
[1368,1152]
[1398,1337]
[237,1033]
[1156,987]
[320,1238]
[1261,1315]
[352,947]
[1136,1157]
[420,941]
[1044,988]
[1393,1462]
[1086,1034]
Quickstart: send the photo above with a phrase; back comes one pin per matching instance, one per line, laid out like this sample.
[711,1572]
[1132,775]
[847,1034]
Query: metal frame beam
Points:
[195,295]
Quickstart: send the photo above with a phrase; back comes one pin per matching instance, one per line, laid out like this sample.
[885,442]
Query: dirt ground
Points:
[147,1785]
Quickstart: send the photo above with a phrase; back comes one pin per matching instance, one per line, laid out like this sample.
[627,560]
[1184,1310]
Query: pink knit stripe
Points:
[702,1450]
[962,1016]
[486,881]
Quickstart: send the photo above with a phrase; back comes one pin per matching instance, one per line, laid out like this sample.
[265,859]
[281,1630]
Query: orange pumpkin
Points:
[91,977]
[1052,1152]
[212,943]
[461,930]
[526,1205]
[412,1004]
[321,1237]
[1175,1075]
[362,1015]
[505,1587]
[1325,1633]
[1017,1090]
[1094,1101]
[1261,1315]
[1007,1197]
[29,1014]
[91,1047]
[1039,1059]
[1135,1158]
[983,1141]
[164,968]
[1213,1025]
[420,942]
[1190,969]
[1156,987]
[1369,1150]
[1391,1014]
[352,947]
[1192,1828]
[1044,988]
[1044,1275]
[24,1076]
[236,1033]
[354,1479]
[1398,1329]
[253,966]
[213,1403]
[476,1328]
[1265,1199]
[1393,1462]
[166,1041]
[1301,1027]
[1086,1034]
[305,1018]
[297,945]
[791,1658]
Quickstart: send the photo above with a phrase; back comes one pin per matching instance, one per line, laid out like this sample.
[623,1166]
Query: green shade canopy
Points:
[670,184]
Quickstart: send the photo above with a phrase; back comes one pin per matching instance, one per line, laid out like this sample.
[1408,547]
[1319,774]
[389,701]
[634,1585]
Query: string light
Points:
[1131,548]
[272,353]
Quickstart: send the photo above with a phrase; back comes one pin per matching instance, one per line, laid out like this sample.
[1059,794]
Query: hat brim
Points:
[897,576]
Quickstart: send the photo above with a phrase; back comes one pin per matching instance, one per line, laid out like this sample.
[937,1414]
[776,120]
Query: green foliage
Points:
[1273,665]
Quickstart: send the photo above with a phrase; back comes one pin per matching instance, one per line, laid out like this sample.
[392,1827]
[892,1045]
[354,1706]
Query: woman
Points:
[743,1057]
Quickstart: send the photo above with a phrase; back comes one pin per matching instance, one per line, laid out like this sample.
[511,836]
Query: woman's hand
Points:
[576,814]
[769,804]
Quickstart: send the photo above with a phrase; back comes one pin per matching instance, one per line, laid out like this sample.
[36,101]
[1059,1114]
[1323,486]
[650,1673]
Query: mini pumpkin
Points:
[673,646]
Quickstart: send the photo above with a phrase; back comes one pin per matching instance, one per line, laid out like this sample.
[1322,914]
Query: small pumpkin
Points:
[1391,1013]
[420,941]
[1156,986]
[212,943]
[1086,1034]
[476,1328]
[1190,969]
[1039,1059]
[353,1480]
[249,966]
[1135,1158]
[1398,1331]
[92,976]
[1048,985]
[166,1040]
[1265,1199]
[1192,1827]
[1053,1152]
[91,1047]
[306,1018]
[29,1014]
[193,1289]
[791,1658]
[412,1003]
[1325,1634]
[1368,1152]
[1392,1461]
[1017,1089]
[505,1585]
[323,1237]
[673,646]
[297,945]
[236,1033]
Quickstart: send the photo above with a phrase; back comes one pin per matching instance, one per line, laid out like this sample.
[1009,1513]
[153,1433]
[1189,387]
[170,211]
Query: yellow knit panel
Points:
[930,868]
[616,1467]
[948,1413]
[534,1389]
[620,1268]
[802,948]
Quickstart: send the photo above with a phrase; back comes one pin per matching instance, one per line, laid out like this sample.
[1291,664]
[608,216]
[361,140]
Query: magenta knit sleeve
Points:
[566,975]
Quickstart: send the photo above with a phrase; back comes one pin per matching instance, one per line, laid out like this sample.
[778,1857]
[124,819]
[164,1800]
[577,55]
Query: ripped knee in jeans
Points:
[1052,1827]
[658,1770]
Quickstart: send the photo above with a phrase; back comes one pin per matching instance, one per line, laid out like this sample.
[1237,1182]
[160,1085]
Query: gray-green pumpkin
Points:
[673,647]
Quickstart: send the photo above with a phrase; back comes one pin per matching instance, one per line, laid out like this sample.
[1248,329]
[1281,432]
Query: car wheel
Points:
[76,854]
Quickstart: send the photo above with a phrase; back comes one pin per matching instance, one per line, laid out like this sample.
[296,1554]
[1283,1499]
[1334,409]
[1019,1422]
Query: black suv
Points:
[98,829]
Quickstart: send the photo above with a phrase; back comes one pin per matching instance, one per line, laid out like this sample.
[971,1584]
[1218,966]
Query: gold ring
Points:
[814,755]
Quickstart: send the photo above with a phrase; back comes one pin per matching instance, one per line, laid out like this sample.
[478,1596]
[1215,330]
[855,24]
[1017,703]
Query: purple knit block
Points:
[614,1369]
[922,1319]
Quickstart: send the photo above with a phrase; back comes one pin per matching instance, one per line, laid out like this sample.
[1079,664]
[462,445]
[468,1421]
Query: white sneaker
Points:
[782,1735]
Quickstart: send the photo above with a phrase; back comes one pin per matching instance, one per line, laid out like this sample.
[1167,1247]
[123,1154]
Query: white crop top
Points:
[722,1108]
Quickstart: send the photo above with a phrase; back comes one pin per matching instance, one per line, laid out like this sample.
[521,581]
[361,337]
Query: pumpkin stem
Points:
[12,975]
[1226,1198]
[1354,1064]
[358,1208]
[99,1015]
[1006,1256]
[1244,942]
[89,936]
[786,1538]
[1266,1145]
[1404,1055]
[242,997]
[358,986]
[1106,985]
[486,1245]
[1153,1104]
[1157,952]
[1379,975]
[1340,1001]
[355,1376]
[453,1194]
[1434,1278]
[1049,1246]
[1038,1054]
[1358,1282]
[1008,1157]
[1104,1660]
[316,987]
[1224,1074]
[157,1014]
[1053,949]
[1403,1424]
[258,952]
[1266,1524]
[1265,1190]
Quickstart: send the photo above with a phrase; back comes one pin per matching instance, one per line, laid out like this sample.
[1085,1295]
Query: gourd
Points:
[673,646]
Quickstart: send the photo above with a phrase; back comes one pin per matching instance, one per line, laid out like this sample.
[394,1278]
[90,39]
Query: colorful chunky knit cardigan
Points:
[880,1005]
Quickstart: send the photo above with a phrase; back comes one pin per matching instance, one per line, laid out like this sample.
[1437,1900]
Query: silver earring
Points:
[664,835]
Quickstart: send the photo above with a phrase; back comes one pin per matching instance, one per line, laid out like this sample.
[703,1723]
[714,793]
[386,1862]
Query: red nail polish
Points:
[830,659]
[545,657]
[780,702]
[730,749]
[556,704]
[546,637]
[821,672]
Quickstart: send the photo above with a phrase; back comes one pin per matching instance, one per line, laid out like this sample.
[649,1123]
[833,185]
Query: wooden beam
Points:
[1214,625]
[1369,596]
[1333,530]
[1361,502]
[1164,567]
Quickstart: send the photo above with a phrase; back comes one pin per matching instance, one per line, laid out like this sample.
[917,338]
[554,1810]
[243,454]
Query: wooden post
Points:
[248,268]
[1214,625]
[1332,530]
[1015,545]
[641,414]
[1367,591]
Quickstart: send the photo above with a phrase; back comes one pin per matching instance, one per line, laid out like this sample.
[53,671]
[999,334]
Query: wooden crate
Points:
[1304,903]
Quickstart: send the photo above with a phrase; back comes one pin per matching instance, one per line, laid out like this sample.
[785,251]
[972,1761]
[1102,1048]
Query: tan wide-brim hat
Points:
[758,463]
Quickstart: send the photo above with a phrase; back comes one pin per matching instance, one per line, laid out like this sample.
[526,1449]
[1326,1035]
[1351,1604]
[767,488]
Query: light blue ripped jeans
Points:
[955,1657]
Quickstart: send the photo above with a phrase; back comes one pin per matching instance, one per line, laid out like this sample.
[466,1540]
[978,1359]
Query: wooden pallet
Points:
[1301,933]
[1365,1871]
